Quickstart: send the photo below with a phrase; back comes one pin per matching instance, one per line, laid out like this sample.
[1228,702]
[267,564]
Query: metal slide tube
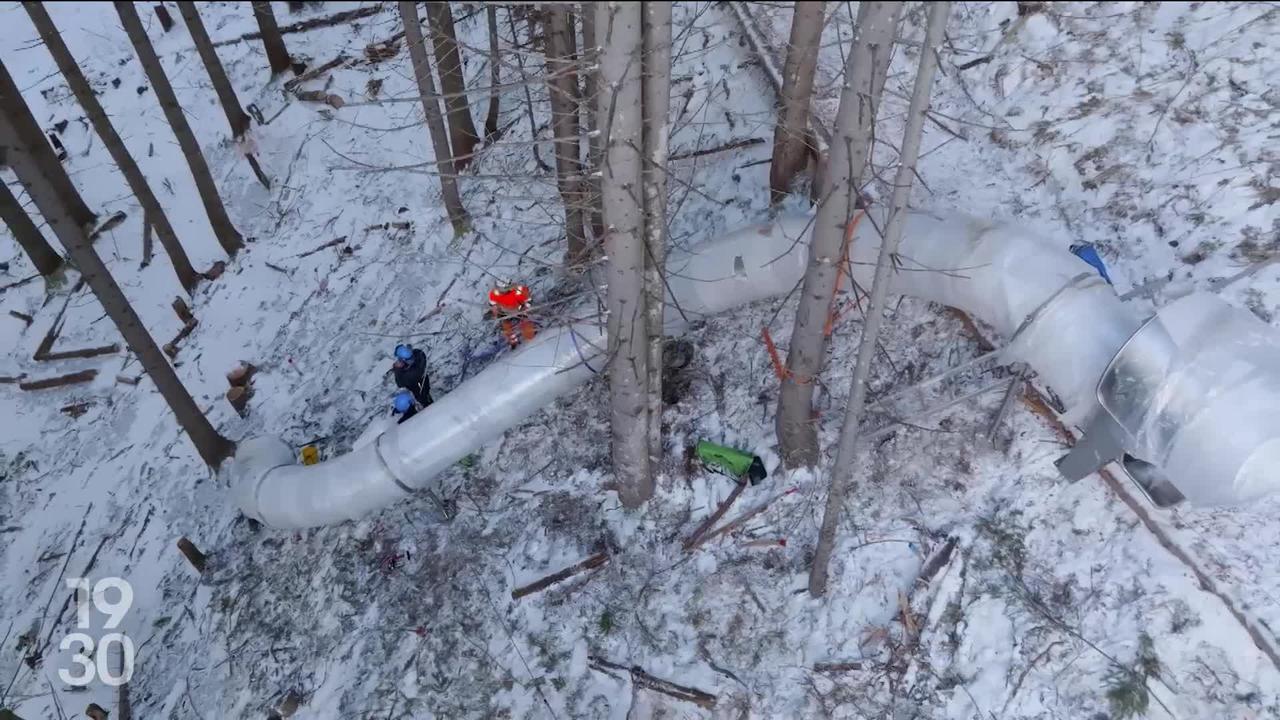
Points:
[1066,329]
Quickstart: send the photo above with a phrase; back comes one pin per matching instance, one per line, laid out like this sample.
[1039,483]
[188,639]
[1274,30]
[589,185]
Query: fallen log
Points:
[314,73]
[75,410]
[171,347]
[82,353]
[735,145]
[192,554]
[696,538]
[23,317]
[836,667]
[109,224]
[182,310]
[644,680]
[129,379]
[590,563]
[74,378]
[329,244]
[311,24]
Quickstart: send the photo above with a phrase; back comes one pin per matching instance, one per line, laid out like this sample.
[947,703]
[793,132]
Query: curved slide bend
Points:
[1063,321]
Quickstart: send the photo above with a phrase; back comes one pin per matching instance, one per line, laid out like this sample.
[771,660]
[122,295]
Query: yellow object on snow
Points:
[310,455]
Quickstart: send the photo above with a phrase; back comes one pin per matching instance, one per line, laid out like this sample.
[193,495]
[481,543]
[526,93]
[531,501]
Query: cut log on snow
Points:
[590,563]
[644,680]
[836,667]
[129,379]
[333,101]
[171,347]
[239,399]
[166,20]
[215,270]
[83,376]
[696,538]
[182,310]
[241,375]
[109,224]
[314,73]
[82,353]
[75,410]
[192,554]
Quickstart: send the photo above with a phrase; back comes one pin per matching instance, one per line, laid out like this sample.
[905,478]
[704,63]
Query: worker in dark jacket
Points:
[403,405]
[411,373]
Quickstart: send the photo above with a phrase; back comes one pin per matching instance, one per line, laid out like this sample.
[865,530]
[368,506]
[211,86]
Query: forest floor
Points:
[1146,129]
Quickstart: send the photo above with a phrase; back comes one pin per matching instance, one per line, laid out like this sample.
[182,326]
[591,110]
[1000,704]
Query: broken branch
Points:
[590,563]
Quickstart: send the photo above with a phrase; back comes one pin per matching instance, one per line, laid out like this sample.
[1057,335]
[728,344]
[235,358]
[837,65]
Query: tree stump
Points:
[242,375]
[192,554]
[239,398]
[95,712]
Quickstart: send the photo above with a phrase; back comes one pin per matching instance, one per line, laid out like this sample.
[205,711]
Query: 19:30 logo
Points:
[93,656]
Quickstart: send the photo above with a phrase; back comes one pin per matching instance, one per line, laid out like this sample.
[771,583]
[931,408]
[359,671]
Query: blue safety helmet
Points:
[404,352]
[403,401]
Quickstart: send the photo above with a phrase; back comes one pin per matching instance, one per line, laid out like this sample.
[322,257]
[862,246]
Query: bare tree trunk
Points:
[45,259]
[236,116]
[846,451]
[591,101]
[153,213]
[462,130]
[864,79]
[656,113]
[524,83]
[213,448]
[435,122]
[228,237]
[495,78]
[272,40]
[791,142]
[562,85]
[30,134]
[618,24]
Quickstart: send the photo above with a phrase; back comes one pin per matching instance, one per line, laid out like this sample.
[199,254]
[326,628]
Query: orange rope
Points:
[844,257]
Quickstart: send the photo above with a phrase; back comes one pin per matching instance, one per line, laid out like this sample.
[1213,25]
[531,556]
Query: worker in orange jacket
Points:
[509,304]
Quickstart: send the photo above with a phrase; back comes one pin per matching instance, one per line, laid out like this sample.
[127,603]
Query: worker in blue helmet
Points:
[410,369]
[403,405]
[1089,254]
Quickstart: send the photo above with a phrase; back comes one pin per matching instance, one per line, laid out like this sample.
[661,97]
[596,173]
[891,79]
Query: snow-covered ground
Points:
[1143,128]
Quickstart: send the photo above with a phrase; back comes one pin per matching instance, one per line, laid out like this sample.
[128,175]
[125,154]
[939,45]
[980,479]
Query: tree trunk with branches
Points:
[272,40]
[590,105]
[30,134]
[850,434]
[618,25]
[495,77]
[792,146]
[153,213]
[212,447]
[46,260]
[562,86]
[865,71]
[656,114]
[435,121]
[226,233]
[236,116]
[462,131]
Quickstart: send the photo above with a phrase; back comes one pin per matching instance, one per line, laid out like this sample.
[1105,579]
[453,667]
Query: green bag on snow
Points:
[733,462]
